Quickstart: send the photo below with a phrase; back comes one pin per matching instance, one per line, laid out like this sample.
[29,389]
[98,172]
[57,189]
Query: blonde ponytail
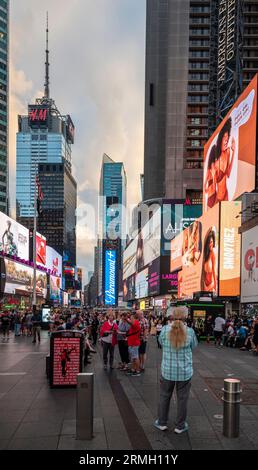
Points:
[178,333]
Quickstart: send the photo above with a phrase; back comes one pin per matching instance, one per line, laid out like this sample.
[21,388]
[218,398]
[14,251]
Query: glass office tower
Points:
[4,61]
[44,150]
[112,219]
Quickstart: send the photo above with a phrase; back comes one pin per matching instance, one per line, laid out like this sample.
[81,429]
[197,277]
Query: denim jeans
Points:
[17,329]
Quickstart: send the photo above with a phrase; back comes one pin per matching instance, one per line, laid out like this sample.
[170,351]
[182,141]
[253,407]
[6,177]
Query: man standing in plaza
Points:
[218,329]
[133,341]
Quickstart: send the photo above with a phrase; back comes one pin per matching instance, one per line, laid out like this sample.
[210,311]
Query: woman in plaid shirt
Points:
[177,341]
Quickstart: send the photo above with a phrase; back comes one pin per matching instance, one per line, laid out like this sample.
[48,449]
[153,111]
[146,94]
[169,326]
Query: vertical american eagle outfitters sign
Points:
[110,277]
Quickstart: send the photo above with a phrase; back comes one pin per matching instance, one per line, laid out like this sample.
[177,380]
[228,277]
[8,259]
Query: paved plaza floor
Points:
[33,416]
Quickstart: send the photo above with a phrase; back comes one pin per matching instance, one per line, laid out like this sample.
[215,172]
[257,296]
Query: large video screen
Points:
[55,286]
[14,238]
[230,153]
[141,284]
[54,261]
[249,275]
[230,249]
[176,216]
[197,246]
[144,248]
[41,250]
[19,279]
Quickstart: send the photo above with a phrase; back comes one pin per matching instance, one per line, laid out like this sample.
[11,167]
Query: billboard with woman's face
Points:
[196,251]
[230,153]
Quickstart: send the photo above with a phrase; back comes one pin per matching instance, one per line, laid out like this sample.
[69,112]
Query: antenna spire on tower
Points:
[46,94]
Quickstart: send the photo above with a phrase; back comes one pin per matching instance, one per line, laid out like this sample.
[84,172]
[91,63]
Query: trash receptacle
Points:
[66,354]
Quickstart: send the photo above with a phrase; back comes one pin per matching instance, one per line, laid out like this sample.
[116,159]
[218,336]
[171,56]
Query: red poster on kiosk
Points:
[66,361]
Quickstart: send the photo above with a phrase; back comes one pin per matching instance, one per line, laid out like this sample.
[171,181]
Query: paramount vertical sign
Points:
[110,277]
[226,35]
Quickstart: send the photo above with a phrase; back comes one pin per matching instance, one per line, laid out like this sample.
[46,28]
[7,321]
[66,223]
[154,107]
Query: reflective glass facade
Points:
[4,52]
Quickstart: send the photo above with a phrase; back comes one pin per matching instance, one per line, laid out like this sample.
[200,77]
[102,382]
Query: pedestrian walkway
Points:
[33,416]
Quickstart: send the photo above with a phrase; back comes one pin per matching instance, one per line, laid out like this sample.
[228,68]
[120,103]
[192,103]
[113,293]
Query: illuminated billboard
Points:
[19,279]
[14,238]
[230,247]
[141,284]
[144,248]
[38,115]
[230,153]
[176,216]
[55,286]
[41,250]
[197,247]
[110,296]
[53,261]
[249,271]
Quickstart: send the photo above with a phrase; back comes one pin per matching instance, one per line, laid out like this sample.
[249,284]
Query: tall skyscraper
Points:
[44,142]
[199,57]
[112,218]
[4,89]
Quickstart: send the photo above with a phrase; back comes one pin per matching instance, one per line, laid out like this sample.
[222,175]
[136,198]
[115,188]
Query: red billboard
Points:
[41,250]
[66,360]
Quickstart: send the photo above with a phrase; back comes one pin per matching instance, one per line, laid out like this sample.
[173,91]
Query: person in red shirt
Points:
[109,339]
[134,341]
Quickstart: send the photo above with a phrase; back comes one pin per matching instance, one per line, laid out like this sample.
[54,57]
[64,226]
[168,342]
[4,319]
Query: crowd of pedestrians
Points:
[177,334]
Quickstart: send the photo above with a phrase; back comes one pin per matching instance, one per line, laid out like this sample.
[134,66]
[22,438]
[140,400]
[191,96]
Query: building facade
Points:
[4,90]
[185,91]
[112,219]
[44,152]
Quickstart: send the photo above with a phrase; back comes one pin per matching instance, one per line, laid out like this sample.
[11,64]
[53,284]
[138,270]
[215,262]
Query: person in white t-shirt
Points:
[218,329]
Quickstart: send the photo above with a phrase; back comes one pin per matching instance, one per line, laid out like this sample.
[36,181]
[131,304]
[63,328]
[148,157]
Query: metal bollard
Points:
[231,409]
[84,406]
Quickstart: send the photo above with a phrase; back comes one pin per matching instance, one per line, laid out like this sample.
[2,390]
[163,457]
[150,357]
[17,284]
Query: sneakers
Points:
[133,373]
[158,426]
[180,431]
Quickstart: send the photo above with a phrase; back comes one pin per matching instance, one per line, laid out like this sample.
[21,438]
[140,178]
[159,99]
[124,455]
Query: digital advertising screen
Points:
[199,255]
[129,259]
[14,238]
[45,314]
[142,284]
[154,277]
[41,250]
[129,288]
[19,279]
[55,286]
[230,153]
[144,248]
[168,280]
[110,295]
[249,270]
[53,261]
[66,361]
[177,215]
[230,249]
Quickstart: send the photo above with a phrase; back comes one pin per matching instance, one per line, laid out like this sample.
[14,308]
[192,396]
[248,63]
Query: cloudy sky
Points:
[97,60]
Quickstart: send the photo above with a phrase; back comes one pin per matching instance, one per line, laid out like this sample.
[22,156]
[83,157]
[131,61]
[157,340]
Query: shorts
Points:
[142,347]
[218,334]
[133,352]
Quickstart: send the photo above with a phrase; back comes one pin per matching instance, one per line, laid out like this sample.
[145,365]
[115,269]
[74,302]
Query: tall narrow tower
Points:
[44,148]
